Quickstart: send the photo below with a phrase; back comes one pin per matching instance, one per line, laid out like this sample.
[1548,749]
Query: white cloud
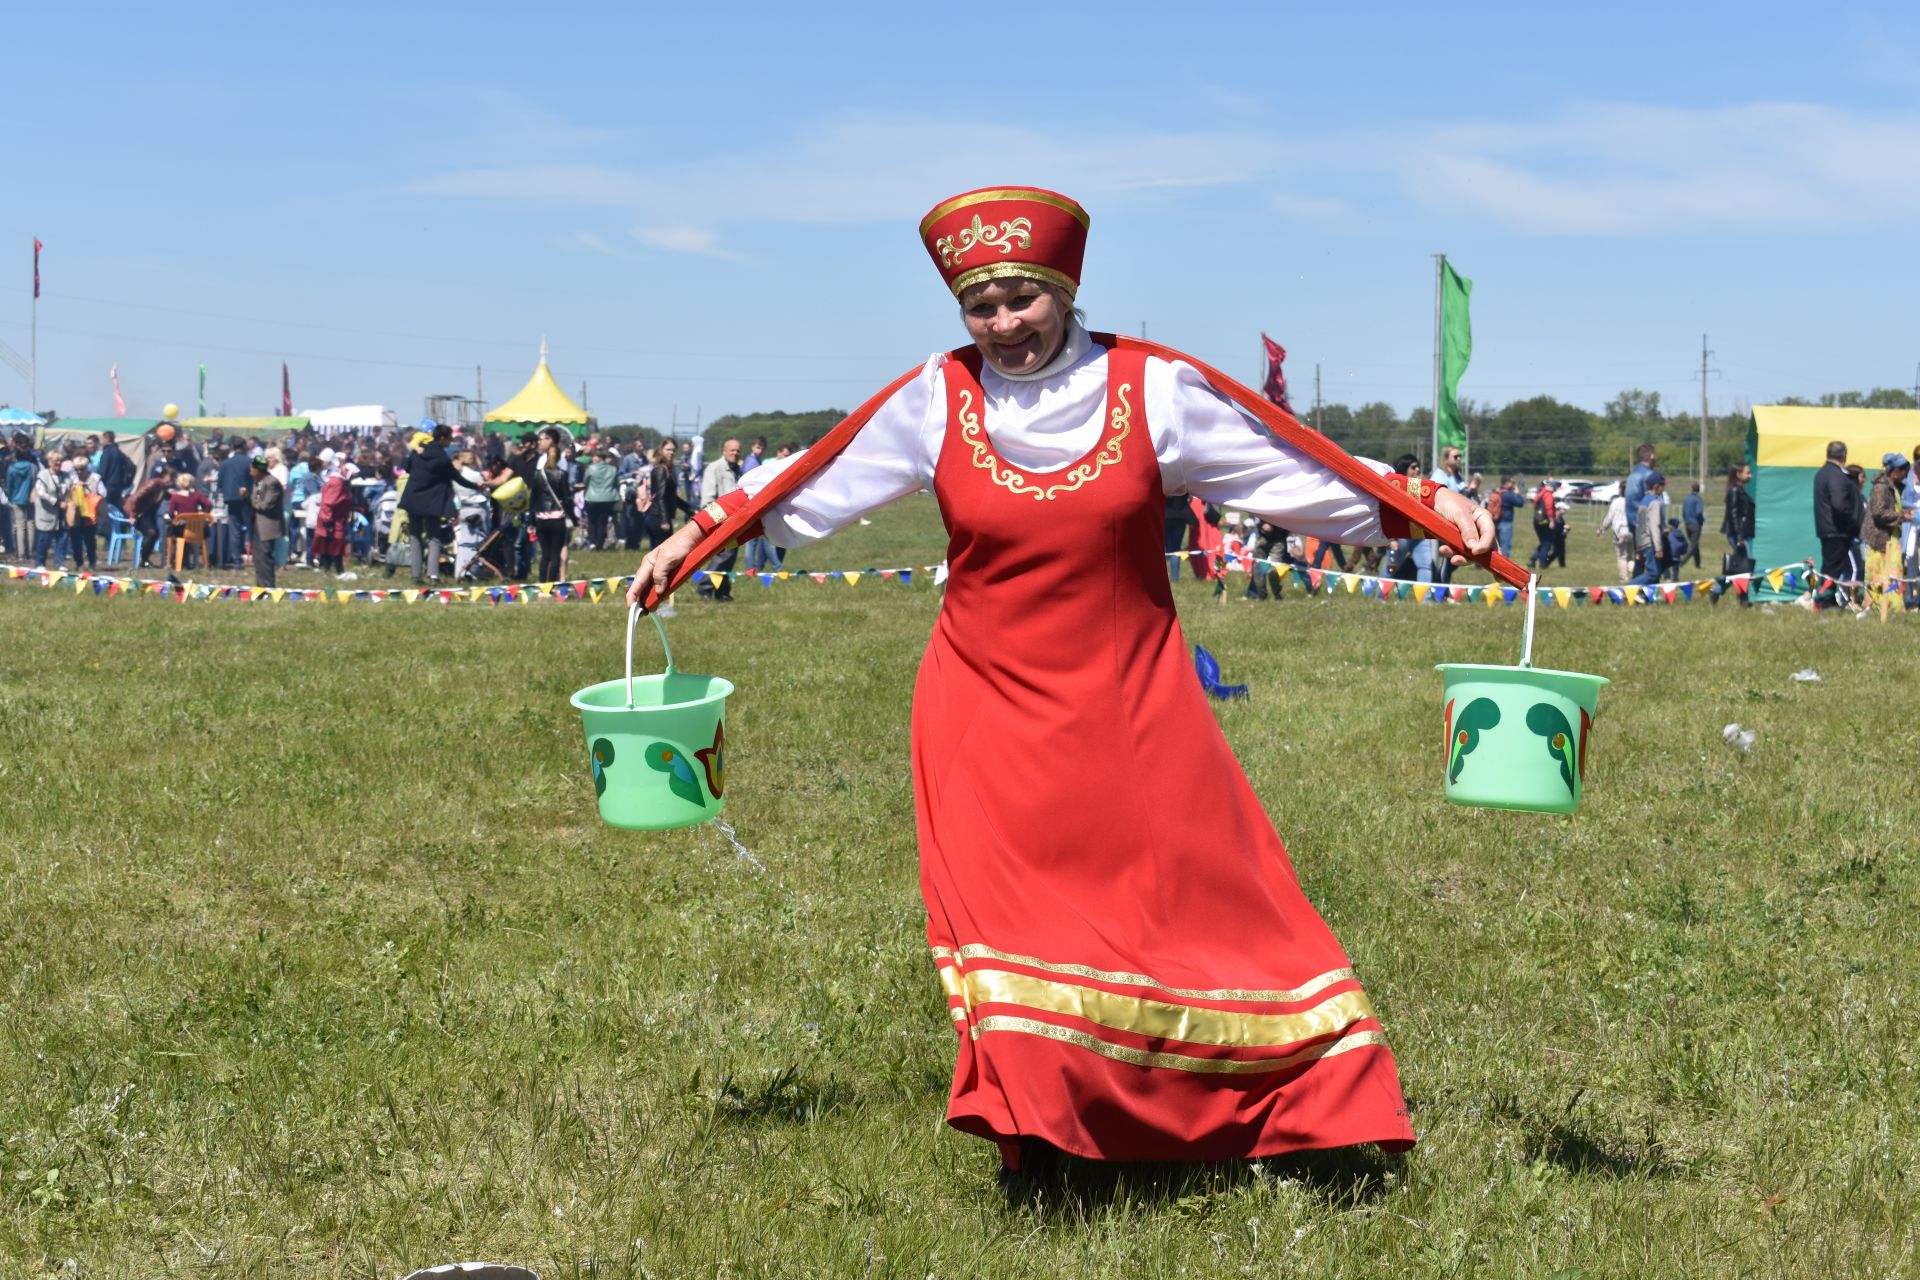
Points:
[1605,168]
[698,240]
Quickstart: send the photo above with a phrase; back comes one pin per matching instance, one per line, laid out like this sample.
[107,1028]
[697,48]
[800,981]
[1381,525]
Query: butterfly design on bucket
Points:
[1547,721]
[1479,716]
[602,751]
[681,779]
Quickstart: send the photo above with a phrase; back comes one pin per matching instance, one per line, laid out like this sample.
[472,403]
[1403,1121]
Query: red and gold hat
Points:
[999,232]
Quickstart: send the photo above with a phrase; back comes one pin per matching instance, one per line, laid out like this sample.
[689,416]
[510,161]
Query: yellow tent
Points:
[541,401]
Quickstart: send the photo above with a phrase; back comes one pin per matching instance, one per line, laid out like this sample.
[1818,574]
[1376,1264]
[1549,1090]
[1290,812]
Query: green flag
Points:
[203,384]
[1456,349]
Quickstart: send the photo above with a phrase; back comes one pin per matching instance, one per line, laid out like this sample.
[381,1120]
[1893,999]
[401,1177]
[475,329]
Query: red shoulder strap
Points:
[781,485]
[1321,450]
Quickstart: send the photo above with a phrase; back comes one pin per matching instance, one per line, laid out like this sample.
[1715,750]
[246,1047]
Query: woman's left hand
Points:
[1473,524]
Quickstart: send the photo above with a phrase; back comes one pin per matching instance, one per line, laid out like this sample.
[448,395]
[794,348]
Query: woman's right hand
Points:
[660,564]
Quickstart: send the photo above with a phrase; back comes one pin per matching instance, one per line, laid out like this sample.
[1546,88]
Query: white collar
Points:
[1076,346]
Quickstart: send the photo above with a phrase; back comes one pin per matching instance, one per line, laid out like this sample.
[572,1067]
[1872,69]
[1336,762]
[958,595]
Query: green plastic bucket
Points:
[655,744]
[1517,737]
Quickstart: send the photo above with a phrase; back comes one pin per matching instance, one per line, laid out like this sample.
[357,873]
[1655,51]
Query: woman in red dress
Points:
[1130,963]
[331,524]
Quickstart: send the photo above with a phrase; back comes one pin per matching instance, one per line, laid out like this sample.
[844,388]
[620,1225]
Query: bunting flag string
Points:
[1793,578]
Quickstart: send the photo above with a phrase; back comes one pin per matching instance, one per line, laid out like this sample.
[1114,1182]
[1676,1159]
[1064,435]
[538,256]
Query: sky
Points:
[713,209]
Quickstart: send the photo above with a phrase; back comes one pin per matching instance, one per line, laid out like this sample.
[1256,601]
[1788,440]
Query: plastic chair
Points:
[193,532]
[124,531]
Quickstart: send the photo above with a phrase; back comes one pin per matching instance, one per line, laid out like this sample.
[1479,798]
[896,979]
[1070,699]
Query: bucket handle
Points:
[1526,644]
[633,617]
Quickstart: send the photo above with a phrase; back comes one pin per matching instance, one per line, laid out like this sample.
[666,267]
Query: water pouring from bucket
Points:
[656,744]
[1517,737]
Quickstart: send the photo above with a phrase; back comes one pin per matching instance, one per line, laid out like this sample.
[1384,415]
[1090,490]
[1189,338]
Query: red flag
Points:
[36,266]
[286,392]
[1275,389]
[119,401]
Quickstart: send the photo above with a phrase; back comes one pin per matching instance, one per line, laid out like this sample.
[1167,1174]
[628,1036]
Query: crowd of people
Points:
[431,500]
[1867,537]
[516,508]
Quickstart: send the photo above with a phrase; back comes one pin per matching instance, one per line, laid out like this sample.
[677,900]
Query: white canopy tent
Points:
[355,419]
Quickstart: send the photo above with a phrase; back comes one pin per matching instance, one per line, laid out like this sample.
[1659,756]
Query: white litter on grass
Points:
[1737,738]
[1806,675]
[472,1271]
[1767,609]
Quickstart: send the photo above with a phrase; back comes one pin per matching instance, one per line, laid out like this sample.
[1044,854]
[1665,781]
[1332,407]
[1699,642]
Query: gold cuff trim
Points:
[979,951]
[1158,1020]
[714,511]
[946,207]
[1178,1061]
[1013,271]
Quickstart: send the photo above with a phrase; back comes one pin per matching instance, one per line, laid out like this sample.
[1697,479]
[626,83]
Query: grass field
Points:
[315,960]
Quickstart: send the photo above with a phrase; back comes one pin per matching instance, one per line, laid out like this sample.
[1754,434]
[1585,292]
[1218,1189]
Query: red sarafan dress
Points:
[1130,962]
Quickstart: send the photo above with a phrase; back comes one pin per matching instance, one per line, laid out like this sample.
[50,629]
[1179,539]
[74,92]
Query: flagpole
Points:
[33,341]
[1439,288]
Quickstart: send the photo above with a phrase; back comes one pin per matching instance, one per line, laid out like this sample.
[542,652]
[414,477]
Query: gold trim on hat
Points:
[946,207]
[1013,271]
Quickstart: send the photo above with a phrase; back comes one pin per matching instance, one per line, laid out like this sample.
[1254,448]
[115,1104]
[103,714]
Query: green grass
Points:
[315,961]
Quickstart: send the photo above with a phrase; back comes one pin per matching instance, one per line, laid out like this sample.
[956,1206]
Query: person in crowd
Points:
[1676,549]
[657,498]
[633,465]
[1910,535]
[86,508]
[761,553]
[333,514]
[1858,554]
[303,481]
[428,500]
[236,487]
[144,505]
[602,493]
[1447,475]
[115,471]
[1736,522]
[267,499]
[1322,549]
[1176,523]
[1475,492]
[1270,558]
[1694,513]
[1837,512]
[520,462]
[470,514]
[1546,517]
[1648,537]
[22,466]
[721,478]
[1511,500]
[1885,515]
[1615,525]
[1645,459]
[552,502]
[1047,447]
[186,500]
[48,501]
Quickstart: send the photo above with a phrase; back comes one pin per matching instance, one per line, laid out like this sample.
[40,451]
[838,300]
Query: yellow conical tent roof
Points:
[541,400]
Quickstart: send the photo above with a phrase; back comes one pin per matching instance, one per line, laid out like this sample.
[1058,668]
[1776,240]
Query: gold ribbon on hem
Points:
[1178,1061]
[1163,1021]
[1312,987]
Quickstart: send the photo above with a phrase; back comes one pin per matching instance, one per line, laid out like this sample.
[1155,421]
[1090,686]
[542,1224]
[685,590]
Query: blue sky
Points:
[713,207]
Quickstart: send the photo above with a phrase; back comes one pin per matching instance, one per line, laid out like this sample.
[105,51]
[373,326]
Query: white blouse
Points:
[1046,421]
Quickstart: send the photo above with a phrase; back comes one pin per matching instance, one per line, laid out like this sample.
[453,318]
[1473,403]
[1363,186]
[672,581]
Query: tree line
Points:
[1535,436]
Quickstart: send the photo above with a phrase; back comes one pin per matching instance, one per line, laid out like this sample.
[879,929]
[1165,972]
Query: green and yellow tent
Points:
[1787,444]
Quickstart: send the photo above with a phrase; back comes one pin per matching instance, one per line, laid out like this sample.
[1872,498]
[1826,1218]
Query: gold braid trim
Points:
[974,433]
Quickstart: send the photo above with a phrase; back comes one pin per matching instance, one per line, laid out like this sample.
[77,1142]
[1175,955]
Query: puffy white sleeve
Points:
[1208,448]
[890,458]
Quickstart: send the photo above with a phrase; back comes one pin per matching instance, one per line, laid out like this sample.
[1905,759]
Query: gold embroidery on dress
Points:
[1011,234]
[975,434]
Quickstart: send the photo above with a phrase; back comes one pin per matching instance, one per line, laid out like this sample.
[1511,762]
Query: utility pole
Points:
[1916,386]
[1316,396]
[1704,371]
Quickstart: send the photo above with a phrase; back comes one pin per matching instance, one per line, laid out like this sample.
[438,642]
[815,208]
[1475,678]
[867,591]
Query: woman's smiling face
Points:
[1017,324]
